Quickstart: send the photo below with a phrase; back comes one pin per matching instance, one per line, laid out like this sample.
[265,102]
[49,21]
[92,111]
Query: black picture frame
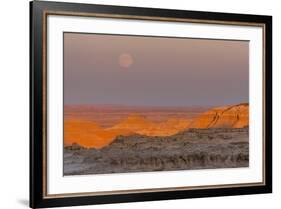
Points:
[38,11]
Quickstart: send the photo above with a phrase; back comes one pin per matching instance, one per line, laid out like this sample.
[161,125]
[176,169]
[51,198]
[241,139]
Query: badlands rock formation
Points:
[236,116]
[191,149]
[89,134]
[139,125]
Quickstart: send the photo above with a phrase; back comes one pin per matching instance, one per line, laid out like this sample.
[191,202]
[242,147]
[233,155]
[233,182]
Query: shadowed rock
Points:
[189,149]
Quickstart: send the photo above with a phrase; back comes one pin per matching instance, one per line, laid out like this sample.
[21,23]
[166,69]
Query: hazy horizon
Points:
[154,71]
[150,106]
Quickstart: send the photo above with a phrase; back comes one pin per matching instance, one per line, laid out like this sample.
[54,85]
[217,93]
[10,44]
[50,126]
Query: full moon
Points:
[125,60]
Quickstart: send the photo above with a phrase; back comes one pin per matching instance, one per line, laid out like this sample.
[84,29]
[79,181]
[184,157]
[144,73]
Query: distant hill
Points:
[142,126]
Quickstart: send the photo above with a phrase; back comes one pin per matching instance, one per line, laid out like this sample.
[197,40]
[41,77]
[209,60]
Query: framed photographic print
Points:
[139,104]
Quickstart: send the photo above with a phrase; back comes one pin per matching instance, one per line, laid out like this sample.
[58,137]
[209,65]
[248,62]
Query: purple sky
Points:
[154,71]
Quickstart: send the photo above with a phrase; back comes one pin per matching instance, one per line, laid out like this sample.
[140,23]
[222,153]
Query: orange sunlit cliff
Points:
[89,134]
[235,116]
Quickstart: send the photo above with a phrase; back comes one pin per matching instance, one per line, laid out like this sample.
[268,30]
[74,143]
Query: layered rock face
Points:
[236,116]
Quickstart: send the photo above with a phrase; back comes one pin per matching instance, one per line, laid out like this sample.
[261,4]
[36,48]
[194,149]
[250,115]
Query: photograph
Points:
[132,104]
[136,103]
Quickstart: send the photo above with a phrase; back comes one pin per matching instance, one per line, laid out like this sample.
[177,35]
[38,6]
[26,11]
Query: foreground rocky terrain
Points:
[189,149]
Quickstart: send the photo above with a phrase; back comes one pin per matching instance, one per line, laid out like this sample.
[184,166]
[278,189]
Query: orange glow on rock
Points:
[89,134]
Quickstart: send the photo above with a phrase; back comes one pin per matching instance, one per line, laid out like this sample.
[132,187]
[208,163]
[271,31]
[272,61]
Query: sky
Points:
[154,71]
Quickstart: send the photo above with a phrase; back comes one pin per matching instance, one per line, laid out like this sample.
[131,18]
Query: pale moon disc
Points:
[125,60]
